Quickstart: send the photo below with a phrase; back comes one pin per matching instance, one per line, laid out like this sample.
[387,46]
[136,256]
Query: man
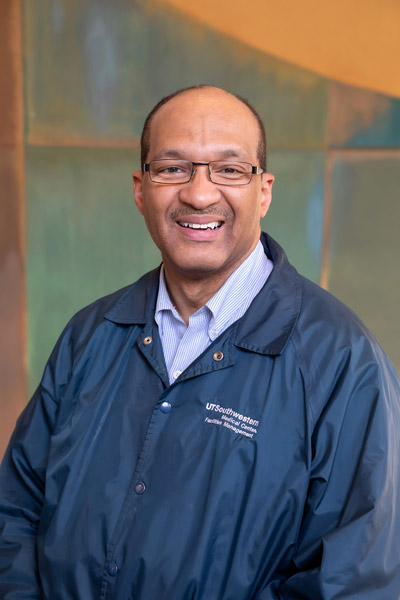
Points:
[221,430]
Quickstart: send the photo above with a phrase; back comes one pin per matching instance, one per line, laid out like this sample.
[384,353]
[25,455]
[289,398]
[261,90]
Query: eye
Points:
[170,169]
[230,170]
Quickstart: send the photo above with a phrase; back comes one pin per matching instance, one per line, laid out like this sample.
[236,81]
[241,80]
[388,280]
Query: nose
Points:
[200,191]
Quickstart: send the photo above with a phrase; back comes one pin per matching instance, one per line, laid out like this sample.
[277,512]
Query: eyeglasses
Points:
[223,172]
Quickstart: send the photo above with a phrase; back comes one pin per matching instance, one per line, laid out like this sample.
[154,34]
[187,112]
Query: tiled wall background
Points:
[91,72]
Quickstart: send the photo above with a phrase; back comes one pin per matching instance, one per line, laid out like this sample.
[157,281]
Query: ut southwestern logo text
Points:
[229,418]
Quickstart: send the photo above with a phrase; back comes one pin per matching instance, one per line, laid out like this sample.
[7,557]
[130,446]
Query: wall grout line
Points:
[71,142]
[378,152]
[326,232]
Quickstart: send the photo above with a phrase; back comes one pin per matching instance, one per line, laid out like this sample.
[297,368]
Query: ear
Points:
[138,189]
[266,193]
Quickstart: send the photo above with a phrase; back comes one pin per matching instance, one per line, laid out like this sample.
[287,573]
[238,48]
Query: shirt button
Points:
[165,407]
[176,374]
[140,487]
[112,569]
[147,340]
[218,355]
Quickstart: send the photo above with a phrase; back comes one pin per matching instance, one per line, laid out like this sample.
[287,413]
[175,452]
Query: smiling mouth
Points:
[212,225]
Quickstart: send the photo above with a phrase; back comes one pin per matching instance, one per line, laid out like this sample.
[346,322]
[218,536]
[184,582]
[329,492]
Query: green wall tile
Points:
[94,69]
[296,215]
[365,244]
[360,118]
[85,237]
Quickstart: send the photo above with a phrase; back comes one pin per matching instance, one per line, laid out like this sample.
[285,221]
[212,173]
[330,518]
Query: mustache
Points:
[185,212]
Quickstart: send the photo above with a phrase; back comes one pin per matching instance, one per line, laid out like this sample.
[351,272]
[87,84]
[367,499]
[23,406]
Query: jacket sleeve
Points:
[22,485]
[349,541]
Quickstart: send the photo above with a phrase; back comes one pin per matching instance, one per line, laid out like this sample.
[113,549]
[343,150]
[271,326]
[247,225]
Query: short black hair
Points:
[145,137]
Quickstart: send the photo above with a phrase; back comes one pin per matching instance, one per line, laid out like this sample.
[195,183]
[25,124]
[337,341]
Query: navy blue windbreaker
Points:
[269,470]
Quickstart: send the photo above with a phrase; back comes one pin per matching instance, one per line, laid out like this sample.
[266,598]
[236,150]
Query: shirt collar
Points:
[233,293]
[163,300]
[243,282]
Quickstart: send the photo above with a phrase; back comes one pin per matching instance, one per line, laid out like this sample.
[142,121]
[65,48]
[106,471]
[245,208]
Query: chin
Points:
[199,269]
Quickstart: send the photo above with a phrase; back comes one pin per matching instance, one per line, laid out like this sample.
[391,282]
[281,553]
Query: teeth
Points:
[213,225]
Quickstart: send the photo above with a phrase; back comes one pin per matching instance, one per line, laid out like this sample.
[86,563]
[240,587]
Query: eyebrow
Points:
[168,154]
[223,154]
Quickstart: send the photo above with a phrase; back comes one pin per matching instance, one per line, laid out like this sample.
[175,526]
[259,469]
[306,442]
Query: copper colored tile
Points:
[12,285]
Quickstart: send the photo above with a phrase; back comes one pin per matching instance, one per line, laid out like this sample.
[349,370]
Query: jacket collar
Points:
[266,326]
[275,310]
[137,305]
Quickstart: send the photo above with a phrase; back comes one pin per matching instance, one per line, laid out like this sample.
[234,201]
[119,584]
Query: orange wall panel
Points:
[12,283]
[355,42]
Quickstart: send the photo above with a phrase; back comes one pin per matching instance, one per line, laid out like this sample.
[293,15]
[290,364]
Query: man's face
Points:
[203,126]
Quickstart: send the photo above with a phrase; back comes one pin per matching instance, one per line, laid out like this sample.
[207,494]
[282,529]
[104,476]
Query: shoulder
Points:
[129,304]
[321,309]
[328,328]
[96,311]
[336,350]
[101,320]
[317,322]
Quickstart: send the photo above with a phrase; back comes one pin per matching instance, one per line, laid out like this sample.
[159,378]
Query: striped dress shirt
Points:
[183,344]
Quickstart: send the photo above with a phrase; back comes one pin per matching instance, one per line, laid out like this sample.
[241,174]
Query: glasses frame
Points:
[254,171]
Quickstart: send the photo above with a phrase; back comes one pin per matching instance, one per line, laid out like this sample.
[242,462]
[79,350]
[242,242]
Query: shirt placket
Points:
[193,342]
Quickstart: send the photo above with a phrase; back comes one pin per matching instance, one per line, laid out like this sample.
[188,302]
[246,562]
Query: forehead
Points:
[201,124]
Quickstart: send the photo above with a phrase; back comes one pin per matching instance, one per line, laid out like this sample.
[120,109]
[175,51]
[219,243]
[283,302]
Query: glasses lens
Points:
[170,171]
[230,173]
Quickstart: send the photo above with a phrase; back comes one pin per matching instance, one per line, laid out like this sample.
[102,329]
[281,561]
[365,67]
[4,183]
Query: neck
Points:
[190,290]
[188,295]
